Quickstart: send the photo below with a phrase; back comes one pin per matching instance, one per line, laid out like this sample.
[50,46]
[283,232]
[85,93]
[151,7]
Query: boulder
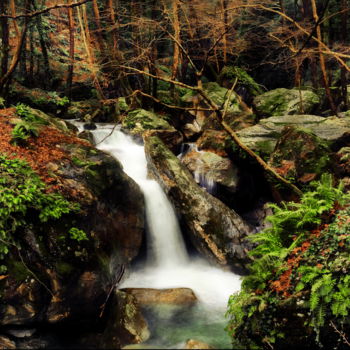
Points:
[6,343]
[263,136]
[126,324]
[300,156]
[214,141]
[196,344]
[175,296]
[216,231]
[209,167]
[285,102]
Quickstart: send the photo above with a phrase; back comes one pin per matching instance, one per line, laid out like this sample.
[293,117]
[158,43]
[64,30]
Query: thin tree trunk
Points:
[13,13]
[15,59]
[343,72]
[5,38]
[322,60]
[71,51]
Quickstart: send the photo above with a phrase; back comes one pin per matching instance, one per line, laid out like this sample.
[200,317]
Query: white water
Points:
[168,263]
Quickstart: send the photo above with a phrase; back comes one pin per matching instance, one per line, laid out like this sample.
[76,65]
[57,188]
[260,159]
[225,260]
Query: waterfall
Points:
[168,264]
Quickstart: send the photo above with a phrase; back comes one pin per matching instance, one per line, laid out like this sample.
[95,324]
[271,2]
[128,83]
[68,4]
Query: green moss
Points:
[64,268]
[17,270]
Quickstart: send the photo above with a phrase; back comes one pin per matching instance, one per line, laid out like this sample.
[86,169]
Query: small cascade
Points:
[199,174]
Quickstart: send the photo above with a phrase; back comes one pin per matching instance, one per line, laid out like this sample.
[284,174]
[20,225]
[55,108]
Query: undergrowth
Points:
[298,286]
[23,201]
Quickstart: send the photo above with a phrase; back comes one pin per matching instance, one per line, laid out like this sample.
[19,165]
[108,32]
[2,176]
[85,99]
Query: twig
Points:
[114,285]
[345,340]
[45,10]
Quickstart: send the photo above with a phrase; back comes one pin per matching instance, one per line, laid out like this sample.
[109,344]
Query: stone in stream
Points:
[6,343]
[196,344]
[150,296]
[216,231]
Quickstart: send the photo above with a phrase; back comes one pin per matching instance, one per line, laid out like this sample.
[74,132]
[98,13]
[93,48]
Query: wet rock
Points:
[21,333]
[172,138]
[209,167]
[215,141]
[263,136]
[149,296]
[6,343]
[286,101]
[300,155]
[196,344]
[126,324]
[215,230]
[86,135]
[90,126]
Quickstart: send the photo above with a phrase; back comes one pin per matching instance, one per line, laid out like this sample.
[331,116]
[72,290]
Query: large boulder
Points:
[286,101]
[215,230]
[263,136]
[63,264]
[300,156]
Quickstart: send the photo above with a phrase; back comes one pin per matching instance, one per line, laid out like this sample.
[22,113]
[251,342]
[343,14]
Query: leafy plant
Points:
[23,198]
[78,235]
[28,126]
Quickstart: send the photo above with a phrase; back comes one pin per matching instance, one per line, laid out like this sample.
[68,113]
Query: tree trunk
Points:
[71,51]
[322,60]
[5,38]
[343,73]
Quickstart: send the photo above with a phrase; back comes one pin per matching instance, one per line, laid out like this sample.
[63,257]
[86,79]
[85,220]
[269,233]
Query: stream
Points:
[168,264]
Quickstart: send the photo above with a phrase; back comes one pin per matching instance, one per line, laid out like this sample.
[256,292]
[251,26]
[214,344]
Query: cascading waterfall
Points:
[168,264]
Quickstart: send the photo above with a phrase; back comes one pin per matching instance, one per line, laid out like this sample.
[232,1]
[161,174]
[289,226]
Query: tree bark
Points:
[322,60]
[71,51]
[5,38]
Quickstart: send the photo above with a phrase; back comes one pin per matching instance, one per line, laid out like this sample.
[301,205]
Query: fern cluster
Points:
[299,272]
[28,126]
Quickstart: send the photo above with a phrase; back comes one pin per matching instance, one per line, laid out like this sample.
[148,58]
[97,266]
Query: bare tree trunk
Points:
[322,60]
[5,78]
[71,51]
[5,38]
[344,34]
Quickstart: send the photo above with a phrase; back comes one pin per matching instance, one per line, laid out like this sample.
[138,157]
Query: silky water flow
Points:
[168,264]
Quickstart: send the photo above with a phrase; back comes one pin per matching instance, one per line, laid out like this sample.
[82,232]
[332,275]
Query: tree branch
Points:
[45,10]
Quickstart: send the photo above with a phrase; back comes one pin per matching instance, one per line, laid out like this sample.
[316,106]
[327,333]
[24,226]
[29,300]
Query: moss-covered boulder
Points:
[138,121]
[300,156]
[263,136]
[286,101]
[215,230]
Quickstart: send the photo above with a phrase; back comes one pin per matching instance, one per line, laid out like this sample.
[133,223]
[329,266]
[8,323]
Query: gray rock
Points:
[263,136]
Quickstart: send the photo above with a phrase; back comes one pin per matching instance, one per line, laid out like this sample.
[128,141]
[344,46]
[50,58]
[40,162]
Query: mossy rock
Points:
[286,101]
[140,120]
[300,156]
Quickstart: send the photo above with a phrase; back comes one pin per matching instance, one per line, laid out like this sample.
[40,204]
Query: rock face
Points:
[216,231]
[300,155]
[286,101]
[263,136]
[58,277]
[175,296]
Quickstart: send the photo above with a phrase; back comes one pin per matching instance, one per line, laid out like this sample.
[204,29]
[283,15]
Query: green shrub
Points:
[23,199]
